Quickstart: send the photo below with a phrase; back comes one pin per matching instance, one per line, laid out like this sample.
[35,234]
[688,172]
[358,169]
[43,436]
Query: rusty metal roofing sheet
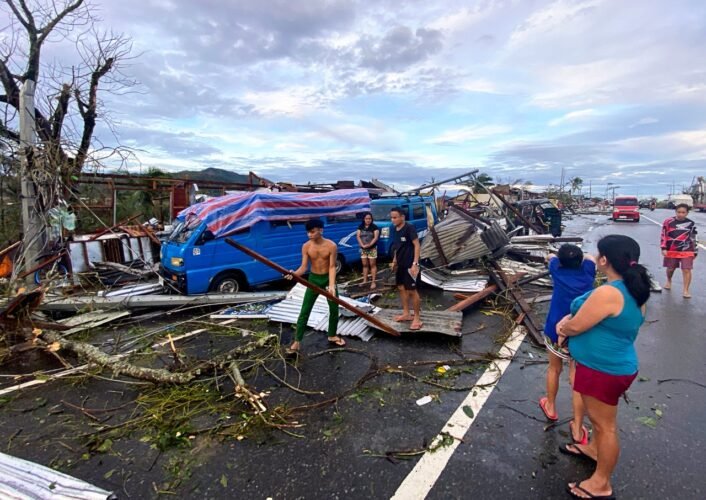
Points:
[443,322]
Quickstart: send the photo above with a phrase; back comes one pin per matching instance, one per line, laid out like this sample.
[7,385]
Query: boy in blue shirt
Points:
[573,275]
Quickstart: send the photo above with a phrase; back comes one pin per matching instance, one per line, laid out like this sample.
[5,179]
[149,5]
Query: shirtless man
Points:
[322,255]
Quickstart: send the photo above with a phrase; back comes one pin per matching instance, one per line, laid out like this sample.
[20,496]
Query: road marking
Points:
[422,478]
[660,225]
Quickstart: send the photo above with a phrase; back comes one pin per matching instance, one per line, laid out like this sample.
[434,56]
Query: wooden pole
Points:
[472,299]
[260,258]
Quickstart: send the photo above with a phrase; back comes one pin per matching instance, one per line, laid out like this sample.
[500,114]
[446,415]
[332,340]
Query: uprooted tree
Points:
[51,109]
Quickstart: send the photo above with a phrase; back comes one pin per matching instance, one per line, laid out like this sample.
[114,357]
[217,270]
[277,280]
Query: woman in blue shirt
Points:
[602,328]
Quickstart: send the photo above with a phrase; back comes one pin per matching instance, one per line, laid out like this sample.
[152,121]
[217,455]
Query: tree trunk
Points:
[32,228]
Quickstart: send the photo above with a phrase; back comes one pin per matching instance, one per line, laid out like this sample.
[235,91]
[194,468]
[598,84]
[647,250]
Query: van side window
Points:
[293,224]
[344,218]
[418,212]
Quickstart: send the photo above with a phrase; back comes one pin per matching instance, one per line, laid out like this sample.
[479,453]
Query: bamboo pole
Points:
[370,319]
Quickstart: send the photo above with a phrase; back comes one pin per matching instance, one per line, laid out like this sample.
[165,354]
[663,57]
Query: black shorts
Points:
[403,278]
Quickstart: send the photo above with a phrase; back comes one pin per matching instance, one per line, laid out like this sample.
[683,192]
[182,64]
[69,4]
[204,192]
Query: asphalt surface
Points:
[343,448]
[508,455]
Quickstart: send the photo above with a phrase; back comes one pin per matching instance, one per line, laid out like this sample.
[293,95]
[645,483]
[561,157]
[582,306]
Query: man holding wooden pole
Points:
[321,253]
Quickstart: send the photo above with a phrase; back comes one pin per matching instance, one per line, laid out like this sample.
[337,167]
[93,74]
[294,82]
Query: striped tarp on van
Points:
[227,214]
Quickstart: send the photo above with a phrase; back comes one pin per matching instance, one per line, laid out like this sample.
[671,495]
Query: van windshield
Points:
[626,202]
[182,232]
[381,213]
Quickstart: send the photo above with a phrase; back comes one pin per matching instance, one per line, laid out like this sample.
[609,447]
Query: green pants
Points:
[320,280]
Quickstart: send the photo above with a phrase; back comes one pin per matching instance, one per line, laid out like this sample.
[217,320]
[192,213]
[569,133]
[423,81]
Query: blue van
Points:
[420,211]
[196,259]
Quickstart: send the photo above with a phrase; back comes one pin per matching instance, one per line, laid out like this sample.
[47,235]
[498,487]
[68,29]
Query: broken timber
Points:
[521,306]
[370,319]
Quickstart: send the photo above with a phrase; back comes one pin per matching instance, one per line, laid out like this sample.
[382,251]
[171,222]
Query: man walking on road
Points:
[322,255]
[679,246]
[405,264]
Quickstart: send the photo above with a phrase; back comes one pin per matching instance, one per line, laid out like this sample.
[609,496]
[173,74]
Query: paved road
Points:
[505,454]
[509,456]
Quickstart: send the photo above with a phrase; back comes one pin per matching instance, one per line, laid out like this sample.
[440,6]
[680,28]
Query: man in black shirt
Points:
[405,264]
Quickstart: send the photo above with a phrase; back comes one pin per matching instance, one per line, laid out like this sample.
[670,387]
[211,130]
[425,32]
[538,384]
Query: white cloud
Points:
[574,116]
[468,134]
[555,16]
[648,120]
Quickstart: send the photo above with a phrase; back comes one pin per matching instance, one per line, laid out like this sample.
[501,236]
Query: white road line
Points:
[660,225]
[422,478]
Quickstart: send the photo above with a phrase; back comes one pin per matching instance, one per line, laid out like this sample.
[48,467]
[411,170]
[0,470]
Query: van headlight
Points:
[177,261]
[385,232]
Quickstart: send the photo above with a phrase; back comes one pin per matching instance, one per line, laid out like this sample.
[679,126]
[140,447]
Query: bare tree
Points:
[55,139]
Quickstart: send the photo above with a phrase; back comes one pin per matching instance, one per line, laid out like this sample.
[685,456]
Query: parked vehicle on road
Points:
[196,259]
[678,199]
[626,208]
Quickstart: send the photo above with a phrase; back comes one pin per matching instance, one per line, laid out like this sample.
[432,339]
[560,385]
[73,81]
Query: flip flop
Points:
[542,405]
[686,295]
[584,434]
[339,342]
[416,326]
[577,486]
[578,453]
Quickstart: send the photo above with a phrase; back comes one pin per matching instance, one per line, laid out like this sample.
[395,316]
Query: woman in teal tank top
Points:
[601,331]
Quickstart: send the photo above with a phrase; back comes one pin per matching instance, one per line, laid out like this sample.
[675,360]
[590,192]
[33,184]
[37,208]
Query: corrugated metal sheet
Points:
[495,237]
[146,289]
[349,324]
[451,282]
[24,479]
[443,322]
[459,239]
[512,267]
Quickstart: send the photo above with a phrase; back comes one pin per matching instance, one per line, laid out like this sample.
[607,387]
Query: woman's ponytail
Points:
[637,281]
[623,253]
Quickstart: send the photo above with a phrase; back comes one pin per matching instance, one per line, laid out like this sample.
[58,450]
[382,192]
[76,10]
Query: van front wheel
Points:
[227,283]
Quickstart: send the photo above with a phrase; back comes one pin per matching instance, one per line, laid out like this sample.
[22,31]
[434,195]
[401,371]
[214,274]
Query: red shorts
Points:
[675,262]
[600,385]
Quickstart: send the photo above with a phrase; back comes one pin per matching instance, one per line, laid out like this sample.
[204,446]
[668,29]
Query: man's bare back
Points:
[321,254]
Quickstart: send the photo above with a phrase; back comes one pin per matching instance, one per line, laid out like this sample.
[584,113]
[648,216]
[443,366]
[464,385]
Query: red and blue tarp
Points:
[233,212]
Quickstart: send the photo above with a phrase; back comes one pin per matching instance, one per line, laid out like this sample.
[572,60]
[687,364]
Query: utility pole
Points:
[32,227]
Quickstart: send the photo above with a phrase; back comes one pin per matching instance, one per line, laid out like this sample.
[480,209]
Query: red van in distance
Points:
[626,208]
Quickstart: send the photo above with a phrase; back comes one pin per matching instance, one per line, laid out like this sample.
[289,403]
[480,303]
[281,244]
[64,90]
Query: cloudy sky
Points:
[614,91]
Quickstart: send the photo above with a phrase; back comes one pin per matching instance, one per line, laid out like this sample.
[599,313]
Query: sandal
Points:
[337,340]
[579,453]
[577,486]
[543,406]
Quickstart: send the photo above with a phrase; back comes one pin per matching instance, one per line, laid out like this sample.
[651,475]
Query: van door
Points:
[342,229]
[419,218]
[281,242]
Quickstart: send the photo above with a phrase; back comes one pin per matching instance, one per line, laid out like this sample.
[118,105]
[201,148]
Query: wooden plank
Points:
[472,299]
